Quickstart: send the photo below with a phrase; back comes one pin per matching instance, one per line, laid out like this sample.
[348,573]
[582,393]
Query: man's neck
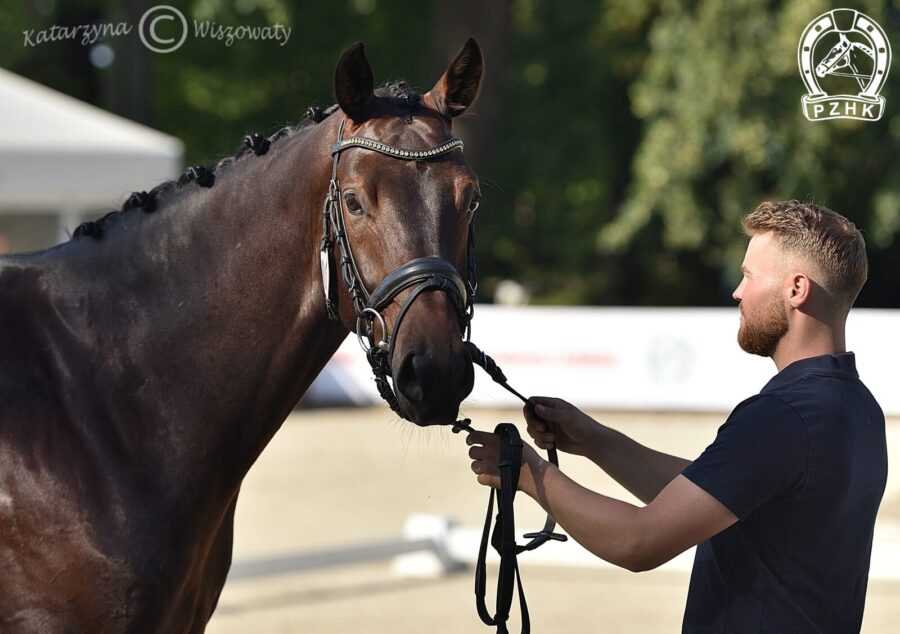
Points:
[810,341]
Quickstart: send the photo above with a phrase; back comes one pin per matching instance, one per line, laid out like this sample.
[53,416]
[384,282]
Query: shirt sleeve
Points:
[761,452]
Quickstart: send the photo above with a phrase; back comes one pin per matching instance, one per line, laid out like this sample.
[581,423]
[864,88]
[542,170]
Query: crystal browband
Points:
[400,153]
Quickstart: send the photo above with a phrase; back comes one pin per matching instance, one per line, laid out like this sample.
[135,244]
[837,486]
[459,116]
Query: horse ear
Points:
[353,83]
[457,88]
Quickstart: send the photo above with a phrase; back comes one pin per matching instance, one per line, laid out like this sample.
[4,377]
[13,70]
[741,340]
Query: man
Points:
[783,502]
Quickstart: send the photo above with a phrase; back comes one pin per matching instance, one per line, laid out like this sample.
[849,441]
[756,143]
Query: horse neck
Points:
[208,322]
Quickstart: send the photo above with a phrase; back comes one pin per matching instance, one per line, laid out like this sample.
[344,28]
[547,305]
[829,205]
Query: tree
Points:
[618,143]
[719,96]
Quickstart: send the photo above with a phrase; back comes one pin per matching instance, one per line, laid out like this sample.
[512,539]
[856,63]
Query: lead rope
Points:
[379,354]
[503,538]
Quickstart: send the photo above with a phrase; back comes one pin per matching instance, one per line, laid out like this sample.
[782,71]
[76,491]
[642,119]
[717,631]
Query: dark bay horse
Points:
[146,363]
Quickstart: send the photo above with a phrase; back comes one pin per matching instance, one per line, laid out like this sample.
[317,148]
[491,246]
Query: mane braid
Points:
[205,175]
[398,89]
[202,175]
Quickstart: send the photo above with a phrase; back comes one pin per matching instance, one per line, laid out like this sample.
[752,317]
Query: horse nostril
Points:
[408,379]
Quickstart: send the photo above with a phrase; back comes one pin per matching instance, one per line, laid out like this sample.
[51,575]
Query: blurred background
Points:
[618,143]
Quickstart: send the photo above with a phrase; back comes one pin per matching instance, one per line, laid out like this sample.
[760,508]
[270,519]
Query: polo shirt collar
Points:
[842,365]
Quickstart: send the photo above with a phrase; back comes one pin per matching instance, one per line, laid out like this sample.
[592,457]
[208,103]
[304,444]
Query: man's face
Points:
[763,315]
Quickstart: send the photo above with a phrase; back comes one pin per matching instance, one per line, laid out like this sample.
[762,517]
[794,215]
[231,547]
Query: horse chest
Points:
[71,564]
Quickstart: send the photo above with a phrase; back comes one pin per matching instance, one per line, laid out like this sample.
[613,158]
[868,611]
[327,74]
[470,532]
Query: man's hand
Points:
[681,516]
[552,422]
[484,450]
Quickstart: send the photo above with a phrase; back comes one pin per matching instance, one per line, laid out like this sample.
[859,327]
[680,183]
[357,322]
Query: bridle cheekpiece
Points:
[424,273]
[433,274]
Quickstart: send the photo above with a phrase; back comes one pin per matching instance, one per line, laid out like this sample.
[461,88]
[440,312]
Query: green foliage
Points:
[634,133]
[563,155]
[214,94]
[719,95]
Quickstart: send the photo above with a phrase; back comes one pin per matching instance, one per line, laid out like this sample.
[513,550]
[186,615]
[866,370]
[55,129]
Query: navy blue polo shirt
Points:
[803,466]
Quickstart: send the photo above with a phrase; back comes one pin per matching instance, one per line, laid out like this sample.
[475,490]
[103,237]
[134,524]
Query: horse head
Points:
[404,198]
[837,57]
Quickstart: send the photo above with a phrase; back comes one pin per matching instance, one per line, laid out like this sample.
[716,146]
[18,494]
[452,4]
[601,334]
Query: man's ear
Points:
[353,83]
[800,289]
[457,88]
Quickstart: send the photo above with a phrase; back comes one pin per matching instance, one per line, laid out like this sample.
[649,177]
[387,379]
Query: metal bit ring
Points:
[383,345]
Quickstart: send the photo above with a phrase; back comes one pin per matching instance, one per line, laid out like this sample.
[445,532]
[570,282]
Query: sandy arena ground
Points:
[338,478]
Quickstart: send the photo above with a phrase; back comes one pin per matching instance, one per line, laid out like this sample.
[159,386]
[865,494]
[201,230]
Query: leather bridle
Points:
[423,274]
[427,274]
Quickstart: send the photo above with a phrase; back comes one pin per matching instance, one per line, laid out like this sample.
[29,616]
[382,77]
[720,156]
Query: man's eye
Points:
[352,203]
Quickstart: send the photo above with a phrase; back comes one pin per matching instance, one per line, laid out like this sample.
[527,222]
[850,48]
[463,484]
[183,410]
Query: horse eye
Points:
[352,202]
[476,200]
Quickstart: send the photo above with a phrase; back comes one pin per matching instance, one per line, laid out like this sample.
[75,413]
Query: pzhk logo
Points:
[843,52]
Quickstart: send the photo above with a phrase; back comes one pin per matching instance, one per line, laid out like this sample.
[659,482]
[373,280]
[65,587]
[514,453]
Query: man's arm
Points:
[643,471]
[681,516]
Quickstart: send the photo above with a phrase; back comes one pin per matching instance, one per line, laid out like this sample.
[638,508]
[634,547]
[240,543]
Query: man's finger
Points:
[478,437]
[531,418]
[548,401]
[540,433]
[489,480]
[552,414]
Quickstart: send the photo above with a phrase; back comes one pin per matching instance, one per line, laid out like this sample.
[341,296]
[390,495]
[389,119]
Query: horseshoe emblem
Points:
[859,38]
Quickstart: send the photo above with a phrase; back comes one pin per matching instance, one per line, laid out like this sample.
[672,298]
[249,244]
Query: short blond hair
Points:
[825,238]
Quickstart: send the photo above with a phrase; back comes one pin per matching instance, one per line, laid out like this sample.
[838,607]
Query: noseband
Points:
[421,274]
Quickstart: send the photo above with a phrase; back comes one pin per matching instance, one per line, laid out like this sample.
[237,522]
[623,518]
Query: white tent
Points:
[63,156]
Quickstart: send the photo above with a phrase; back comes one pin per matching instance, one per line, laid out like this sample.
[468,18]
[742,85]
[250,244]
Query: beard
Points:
[762,333]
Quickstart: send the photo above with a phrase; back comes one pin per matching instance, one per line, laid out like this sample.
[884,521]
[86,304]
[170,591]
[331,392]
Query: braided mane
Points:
[205,175]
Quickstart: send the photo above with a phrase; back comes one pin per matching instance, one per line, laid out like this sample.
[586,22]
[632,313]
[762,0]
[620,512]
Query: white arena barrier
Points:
[433,545]
[672,359]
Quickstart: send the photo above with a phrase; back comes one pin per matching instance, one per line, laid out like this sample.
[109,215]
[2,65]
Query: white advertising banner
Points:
[680,359]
